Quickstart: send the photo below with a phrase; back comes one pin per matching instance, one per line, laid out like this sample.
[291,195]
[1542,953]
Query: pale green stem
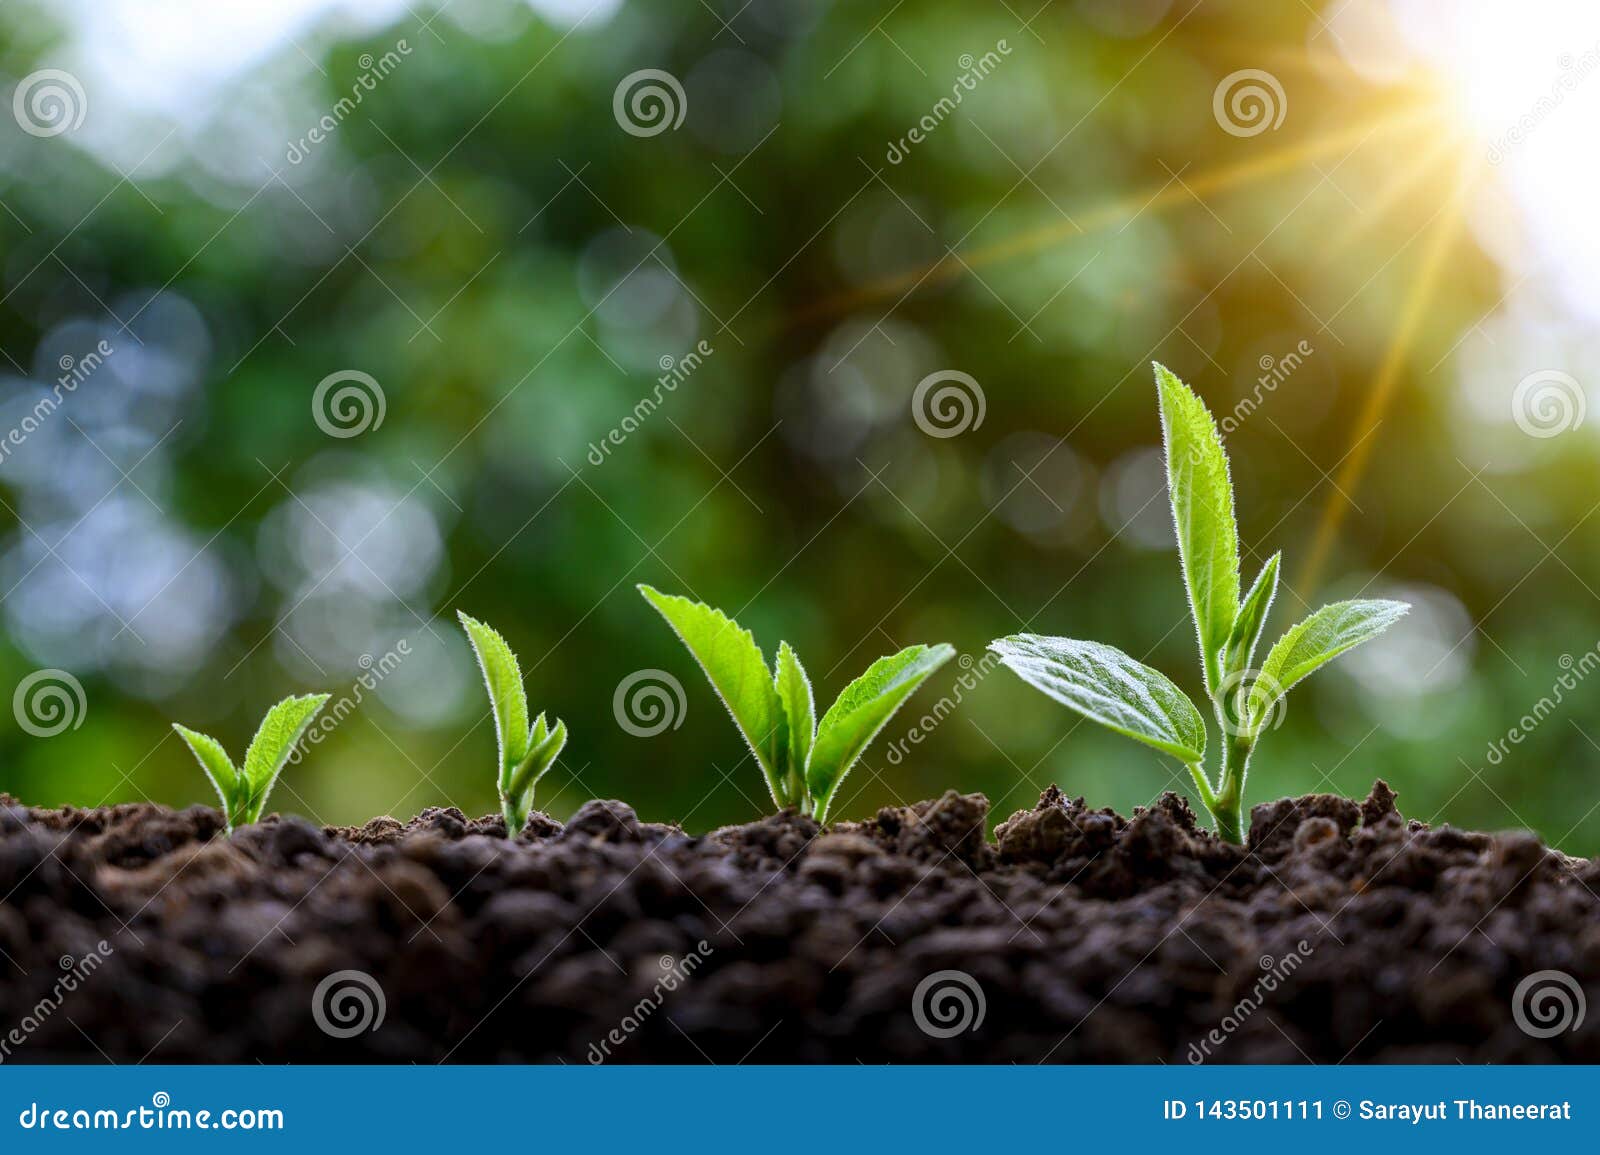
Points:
[1228,804]
[1207,795]
[516,816]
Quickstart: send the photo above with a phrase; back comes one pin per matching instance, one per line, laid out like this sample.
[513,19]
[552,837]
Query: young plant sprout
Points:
[804,760]
[526,752]
[244,789]
[1106,685]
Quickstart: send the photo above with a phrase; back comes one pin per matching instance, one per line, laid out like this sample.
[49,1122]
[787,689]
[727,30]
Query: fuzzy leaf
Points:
[860,712]
[502,675]
[1240,649]
[1318,640]
[799,715]
[1202,509]
[546,749]
[733,663]
[1107,686]
[269,749]
[215,762]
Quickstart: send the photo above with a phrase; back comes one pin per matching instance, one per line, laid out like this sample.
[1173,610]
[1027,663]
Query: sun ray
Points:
[1445,231]
[1403,181]
[1119,210]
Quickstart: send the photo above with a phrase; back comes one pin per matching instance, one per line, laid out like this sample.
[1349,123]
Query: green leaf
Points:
[1240,649]
[1107,686]
[546,749]
[218,766]
[1202,510]
[799,718]
[502,675]
[269,749]
[860,712]
[733,663]
[1318,640]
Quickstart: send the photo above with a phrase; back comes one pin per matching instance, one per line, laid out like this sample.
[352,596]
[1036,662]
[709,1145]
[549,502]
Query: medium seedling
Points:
[526,751]
[804,760]
[244,789]
[1106,685]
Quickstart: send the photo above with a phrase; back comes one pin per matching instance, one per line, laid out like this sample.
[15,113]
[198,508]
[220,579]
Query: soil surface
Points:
[1343,932]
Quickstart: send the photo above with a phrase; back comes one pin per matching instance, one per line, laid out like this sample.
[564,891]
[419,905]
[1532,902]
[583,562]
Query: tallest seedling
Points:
[1108,686]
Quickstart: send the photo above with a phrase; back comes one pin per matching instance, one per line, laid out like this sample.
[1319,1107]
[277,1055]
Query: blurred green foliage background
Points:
[482,237]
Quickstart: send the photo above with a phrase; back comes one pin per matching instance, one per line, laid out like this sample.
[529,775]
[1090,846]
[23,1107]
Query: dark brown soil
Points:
[1091,937]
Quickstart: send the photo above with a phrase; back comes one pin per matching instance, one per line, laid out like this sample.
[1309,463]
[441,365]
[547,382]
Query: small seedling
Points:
[1106,685]
[804,760]
[244,790]
[526,752]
